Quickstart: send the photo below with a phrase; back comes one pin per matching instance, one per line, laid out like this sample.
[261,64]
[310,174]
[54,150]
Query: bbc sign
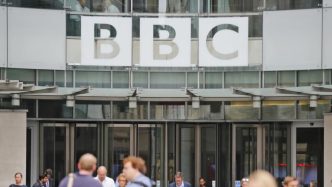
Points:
[164,42]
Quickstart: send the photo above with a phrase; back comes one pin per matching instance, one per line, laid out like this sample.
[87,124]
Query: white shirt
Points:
[182,185]
[107,182]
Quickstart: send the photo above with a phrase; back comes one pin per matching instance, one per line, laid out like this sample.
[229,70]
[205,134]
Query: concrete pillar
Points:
[327,149]
[13,125]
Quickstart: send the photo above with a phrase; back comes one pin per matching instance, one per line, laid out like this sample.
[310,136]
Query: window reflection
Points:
[165,6]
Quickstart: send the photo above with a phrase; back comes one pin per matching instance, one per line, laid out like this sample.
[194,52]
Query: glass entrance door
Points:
[247,150]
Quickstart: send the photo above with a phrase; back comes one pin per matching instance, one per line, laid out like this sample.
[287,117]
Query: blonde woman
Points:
[122,181]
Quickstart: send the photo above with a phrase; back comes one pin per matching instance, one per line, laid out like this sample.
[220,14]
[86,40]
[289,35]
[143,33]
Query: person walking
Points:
[261,178]
[179,182]
[18,180]
[83,178]
[102,177]
[133,169]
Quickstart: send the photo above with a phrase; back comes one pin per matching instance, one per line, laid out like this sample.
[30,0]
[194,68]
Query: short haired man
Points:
[179,182]
[41,181]
[50,181]
[102,177]
[132,167]
[86,167]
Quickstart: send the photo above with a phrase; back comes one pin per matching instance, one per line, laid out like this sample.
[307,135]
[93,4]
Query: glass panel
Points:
[118,148]
[59,109]
[45,78]
[69,77]
[93,78]
[163,6]
[255,25]
[187,154]
[49,4]
[150,141]
[242,79]
[207,110]
[277,150]
[208,154]
[192,80]
[120,79]
[306,78]
[79,5]
[60,78]
[171,146]
[28,156]
[286,78]
[121,110]
[27,76]
[167,110]
[327,74]
[310,155]
[224,148]
[279,110]
[140,79]
[93,110]
[213,80]
[240,110]
[292,4]
[246,151]
[86,140]
[270,79]
[54,154]
[221,6]
[30,105]
[106,6]
[73,24]
[305,112]
[167,80]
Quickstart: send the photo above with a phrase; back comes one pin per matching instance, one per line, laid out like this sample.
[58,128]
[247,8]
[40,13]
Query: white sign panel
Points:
[106,41]
[223,41]
[165,41]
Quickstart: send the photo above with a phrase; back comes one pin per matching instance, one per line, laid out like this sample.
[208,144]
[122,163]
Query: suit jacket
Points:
[186,184]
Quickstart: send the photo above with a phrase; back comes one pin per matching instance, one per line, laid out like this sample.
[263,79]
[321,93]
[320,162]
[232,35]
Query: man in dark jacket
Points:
[40,182]
[179,182]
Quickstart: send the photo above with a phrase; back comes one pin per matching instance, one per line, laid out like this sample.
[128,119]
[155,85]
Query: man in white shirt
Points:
[102,177]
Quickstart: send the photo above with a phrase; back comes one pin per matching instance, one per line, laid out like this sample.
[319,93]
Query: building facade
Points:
[218,122]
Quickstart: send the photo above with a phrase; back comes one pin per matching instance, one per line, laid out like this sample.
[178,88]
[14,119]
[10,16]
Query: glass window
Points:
[187,153]
[118,148]
[54,151]
[49,4]
[27,76]
[151,149]
[140,79]
[207,110]
[286,78]
[163,6]
[208,154]
[213,80]
[30,105]
[277,150]
[270,79]
[167,110]
[95,79]
[192,78]
[328,77]
[60,78]
[305,112]
[248,79]
[93,110]
[310,155]
[255,25]
[79,5]
[121,110]
[106,6]
[306,78]
[69,78]
[120,79]
[279,110]
[171,147]
[86,140]
[54,109]
[240,110]
[167,80]
[45,78]
[292,4]
[73,25]
[221,6]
